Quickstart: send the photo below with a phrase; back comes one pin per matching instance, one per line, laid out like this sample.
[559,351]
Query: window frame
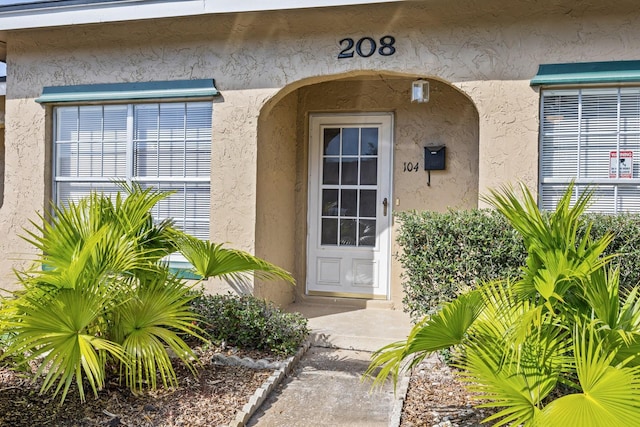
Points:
[600,183]
[130,153]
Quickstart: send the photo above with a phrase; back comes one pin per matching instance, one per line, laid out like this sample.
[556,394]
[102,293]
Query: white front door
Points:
[349,205]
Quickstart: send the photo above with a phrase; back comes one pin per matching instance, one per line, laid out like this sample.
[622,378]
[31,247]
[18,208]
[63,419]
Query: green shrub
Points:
[446,254]
[626,243]
[249,322]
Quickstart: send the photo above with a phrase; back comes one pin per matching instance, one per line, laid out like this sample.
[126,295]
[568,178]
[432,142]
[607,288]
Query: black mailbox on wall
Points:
[434,158]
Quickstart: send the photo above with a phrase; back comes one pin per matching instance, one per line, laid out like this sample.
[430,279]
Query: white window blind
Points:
[160,145]
[584,132]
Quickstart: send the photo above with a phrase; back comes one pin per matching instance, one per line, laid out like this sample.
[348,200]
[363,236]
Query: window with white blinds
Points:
[592,137]
[161,145]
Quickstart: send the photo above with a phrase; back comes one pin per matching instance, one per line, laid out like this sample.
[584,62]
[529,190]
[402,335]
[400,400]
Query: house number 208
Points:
[367,46]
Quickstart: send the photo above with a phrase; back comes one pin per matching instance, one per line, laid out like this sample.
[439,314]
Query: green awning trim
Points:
[129,91]
[183,270]
[587,73]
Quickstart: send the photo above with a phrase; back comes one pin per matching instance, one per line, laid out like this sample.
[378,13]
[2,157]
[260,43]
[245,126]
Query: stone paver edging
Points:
[398,404]
[281,370]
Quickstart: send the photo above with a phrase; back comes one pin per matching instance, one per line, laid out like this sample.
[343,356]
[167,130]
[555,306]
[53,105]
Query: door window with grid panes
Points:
[161,145]
[591,136]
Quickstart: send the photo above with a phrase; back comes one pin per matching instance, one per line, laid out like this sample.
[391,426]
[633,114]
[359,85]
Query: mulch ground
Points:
[436,397]
[211,399]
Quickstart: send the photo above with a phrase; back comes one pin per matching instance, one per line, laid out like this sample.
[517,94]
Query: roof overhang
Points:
[45,14]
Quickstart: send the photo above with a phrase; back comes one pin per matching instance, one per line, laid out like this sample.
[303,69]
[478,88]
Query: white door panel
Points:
[349,210]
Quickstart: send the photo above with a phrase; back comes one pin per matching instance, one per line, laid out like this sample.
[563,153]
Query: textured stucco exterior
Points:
[274,68]
[2,150]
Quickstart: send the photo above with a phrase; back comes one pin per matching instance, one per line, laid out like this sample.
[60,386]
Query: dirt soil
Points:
[437,398]
[211,399]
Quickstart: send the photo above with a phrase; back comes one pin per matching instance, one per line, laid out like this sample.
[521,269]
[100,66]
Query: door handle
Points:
[385,203]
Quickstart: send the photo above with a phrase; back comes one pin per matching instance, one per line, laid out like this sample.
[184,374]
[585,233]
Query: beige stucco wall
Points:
[2,150]
[508,144]
[267,67]
[26,169]
[277,186]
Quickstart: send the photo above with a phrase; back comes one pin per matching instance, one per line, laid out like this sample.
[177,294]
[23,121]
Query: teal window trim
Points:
[202,88]
[587,73]
[183,270]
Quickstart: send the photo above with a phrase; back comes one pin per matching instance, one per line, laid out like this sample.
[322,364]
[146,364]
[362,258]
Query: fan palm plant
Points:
[101,294]
[562,327]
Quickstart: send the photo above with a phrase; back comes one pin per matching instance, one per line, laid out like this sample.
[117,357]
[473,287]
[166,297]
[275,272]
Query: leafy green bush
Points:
[446,254]
[625,244]
[249,322]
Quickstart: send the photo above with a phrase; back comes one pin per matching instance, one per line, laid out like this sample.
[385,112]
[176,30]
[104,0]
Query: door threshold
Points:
[357,303]
[346,295]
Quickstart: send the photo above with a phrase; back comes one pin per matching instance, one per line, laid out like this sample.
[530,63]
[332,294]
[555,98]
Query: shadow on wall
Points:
[241,285]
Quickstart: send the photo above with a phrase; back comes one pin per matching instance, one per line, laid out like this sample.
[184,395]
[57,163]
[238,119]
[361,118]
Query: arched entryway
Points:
[290,194]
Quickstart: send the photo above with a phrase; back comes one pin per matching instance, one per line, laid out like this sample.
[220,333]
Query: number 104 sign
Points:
[622,167]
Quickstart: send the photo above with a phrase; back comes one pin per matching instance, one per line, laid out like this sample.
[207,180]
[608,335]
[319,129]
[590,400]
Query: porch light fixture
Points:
[420,91]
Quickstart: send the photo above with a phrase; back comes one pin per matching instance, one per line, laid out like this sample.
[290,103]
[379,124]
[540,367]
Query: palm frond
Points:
[213,260]
[514,355]
[506,386]
[558,262]
[629,312]
[601,290]
[146,326]
[610,395]
[60,330]
[515,378]
[442,330]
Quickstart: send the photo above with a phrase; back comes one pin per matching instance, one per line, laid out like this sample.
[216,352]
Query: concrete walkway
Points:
[326,388]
